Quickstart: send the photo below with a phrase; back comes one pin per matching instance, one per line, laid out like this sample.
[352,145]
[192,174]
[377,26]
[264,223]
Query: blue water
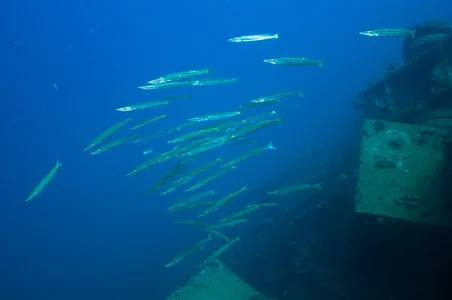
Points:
[92,234]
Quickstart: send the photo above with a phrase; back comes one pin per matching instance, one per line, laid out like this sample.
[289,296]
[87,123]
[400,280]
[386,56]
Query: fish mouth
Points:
[270,61]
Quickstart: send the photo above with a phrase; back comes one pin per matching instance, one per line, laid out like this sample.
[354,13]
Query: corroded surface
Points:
[401,173]
[216,283]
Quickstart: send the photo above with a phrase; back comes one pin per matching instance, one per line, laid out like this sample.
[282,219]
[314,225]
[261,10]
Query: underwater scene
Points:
[226,150]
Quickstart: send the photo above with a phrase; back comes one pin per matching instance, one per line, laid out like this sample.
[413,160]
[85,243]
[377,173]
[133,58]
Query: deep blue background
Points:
[92,233]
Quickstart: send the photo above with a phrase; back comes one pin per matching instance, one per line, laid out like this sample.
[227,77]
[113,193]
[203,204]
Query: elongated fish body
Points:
[208,179]
[174,186]
[249,154]
[278,96]
[229,223]
[296,188]
[220,203]
[199,245]
[204,226]
[260,116]
[143,105]
[217,116]
[180,76]
[295,61]
[149,121]
[165,85]
[389,32]
[257,104]
[194,198]
[189,206]
[150,162]
[191,174]
[246,211]
[182,126]
[204,147]
[166,177]
[219,251]
[44,182]
[253,127]
[107,133]
[213,81]
[113,144]
[192,135]
[253,38]
[149,137]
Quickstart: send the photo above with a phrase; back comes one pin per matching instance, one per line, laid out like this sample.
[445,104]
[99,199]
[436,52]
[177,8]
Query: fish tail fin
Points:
[209,237]
[300,92]
[319,187]
[165,115]
[207,70]
[234,80]
[270,146]
[278,119]
[413,32]
[277,36]
[58,162]
[321,63]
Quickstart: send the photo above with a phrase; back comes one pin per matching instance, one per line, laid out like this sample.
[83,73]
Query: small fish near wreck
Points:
[296,188]
[44,182]
[394,32]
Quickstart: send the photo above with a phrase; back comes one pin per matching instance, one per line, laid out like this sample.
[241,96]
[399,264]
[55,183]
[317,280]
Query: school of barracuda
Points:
[233,129]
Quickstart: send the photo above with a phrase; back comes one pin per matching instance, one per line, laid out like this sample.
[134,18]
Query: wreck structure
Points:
[382,228]
[403,203]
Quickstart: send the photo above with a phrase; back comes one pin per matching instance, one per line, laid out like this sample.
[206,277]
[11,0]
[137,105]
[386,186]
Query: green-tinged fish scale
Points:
[199,245]
[191,174]
[204,226]
[247,210]
[180,76]
[148,137]
[166,177]
[295,61]
[389,32]
[208,179]
[149,121]
[194,198]
[193,135]
[165,85]
[44,182]
[152,161]
[249,154]
[107,133]
[220,203]
[189,206]
[213,81]
[278,96]
[241,132]
[219,251]
[296,188]
[229,223]
[113,144]
[143,105]
[253,38]
[217,116]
